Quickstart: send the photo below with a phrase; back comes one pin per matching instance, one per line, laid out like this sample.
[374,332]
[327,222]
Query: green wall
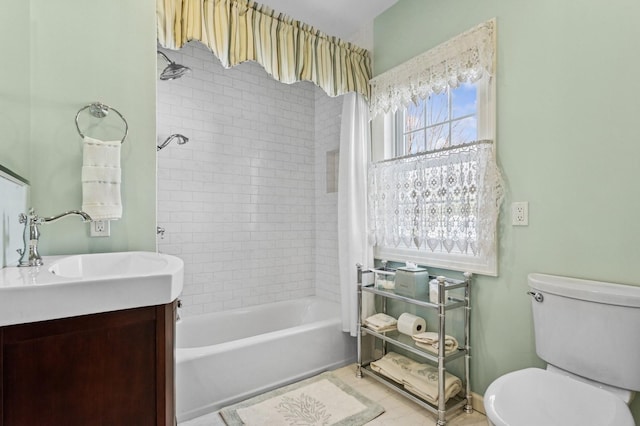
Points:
[567,97]
[14,86]
[67,54]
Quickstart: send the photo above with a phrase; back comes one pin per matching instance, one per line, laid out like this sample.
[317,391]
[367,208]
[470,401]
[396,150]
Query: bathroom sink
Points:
[108,265]
[69,286]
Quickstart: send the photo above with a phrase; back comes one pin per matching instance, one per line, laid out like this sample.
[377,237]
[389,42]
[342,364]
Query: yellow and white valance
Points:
[289,50]
[465,58]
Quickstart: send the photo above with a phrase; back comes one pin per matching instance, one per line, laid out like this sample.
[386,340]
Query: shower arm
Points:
[165,57]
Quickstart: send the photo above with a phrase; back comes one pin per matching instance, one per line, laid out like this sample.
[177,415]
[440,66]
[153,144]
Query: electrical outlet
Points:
[520,213]
[100,228]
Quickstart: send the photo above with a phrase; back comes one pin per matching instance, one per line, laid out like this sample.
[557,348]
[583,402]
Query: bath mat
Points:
[320,400]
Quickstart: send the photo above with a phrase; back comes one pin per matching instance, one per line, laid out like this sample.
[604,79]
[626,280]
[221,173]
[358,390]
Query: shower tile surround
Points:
[244,202]
[327,139]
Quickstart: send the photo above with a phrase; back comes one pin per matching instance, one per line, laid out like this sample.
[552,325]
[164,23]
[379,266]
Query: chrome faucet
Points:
[29,255]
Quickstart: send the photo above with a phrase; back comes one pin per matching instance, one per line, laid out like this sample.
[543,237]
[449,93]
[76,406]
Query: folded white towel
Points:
[423,381]
[381,322]
[430,341]
[101,179]
[419,379]
[394,366]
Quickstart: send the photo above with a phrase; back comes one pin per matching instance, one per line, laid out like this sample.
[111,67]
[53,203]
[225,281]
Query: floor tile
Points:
[399,411]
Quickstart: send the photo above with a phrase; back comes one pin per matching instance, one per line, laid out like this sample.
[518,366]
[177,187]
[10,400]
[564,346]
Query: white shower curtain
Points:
[353,246]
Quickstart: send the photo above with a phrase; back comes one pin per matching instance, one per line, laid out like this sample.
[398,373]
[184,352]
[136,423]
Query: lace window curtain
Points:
[289,50]
[446,201]
[465,58]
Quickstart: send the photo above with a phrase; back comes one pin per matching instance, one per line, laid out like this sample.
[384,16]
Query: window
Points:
[435,198]
[440,121]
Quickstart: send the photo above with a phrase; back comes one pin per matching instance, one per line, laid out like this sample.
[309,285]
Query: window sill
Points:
[450,261]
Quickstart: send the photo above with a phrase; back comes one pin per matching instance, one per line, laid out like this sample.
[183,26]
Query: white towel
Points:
[430,340]
[417,378]
[381,323]
[423,381]
[101,178]
[394,366]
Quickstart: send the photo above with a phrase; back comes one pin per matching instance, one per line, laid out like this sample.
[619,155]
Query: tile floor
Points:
[399,411]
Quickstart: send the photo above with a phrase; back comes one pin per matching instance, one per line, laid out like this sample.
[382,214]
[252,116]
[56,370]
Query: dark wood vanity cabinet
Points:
[114,368]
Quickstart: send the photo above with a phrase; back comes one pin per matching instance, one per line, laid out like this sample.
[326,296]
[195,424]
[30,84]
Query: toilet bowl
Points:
[536,397]
[586,331]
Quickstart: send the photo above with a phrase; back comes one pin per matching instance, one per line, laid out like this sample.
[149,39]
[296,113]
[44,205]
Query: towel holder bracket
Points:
[100,110]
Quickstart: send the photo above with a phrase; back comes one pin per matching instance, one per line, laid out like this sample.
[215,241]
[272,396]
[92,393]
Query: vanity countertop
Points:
[69,286]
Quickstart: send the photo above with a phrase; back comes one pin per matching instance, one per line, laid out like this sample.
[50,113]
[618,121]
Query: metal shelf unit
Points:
[443,408]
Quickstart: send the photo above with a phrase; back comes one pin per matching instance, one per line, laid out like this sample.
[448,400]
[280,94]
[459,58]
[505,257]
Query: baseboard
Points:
[477,402]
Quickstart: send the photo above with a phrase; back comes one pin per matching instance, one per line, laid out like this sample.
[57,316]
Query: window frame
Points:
[393,137]
[400,118]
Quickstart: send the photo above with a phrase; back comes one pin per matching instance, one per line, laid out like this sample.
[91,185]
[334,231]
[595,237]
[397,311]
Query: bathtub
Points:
[225,357]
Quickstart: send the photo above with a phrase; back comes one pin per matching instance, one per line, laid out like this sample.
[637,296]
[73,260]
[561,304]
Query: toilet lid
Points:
[534,397]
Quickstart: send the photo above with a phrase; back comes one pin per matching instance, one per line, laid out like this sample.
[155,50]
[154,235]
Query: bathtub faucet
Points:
[29,255]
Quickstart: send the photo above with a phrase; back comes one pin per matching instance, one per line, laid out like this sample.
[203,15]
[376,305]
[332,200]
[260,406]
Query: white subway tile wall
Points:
[327,138]
[243,203]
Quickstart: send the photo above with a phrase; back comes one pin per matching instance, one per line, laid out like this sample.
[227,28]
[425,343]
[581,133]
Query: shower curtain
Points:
[353,244]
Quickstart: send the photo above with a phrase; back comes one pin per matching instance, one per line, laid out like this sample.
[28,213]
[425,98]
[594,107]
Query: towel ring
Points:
[100,110]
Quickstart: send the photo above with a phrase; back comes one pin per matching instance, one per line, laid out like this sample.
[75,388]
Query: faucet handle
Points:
[22,218]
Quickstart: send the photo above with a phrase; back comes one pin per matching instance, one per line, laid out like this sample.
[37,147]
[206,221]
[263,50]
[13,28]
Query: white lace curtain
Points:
[465,58]
[446,201]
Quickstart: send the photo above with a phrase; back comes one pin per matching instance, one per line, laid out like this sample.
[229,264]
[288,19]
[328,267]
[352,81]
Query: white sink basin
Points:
[109,265]
[68,286]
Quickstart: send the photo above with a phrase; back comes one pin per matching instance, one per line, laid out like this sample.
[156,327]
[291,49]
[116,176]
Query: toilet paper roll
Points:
[410,324]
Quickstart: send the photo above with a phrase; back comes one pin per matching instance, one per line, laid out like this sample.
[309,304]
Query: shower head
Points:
[181,140]
[173,70]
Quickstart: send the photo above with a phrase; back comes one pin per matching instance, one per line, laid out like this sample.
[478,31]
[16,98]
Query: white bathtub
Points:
[225,357]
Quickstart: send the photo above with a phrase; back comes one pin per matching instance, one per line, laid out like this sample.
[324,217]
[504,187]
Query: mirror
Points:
[14,192]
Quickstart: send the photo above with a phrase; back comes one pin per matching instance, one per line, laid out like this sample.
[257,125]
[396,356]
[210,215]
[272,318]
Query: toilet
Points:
[588,333]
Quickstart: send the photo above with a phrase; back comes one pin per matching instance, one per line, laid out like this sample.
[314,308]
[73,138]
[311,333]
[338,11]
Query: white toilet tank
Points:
[589,328]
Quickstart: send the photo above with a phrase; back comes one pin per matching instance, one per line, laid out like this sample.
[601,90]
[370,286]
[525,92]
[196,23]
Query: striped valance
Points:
[289,50]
